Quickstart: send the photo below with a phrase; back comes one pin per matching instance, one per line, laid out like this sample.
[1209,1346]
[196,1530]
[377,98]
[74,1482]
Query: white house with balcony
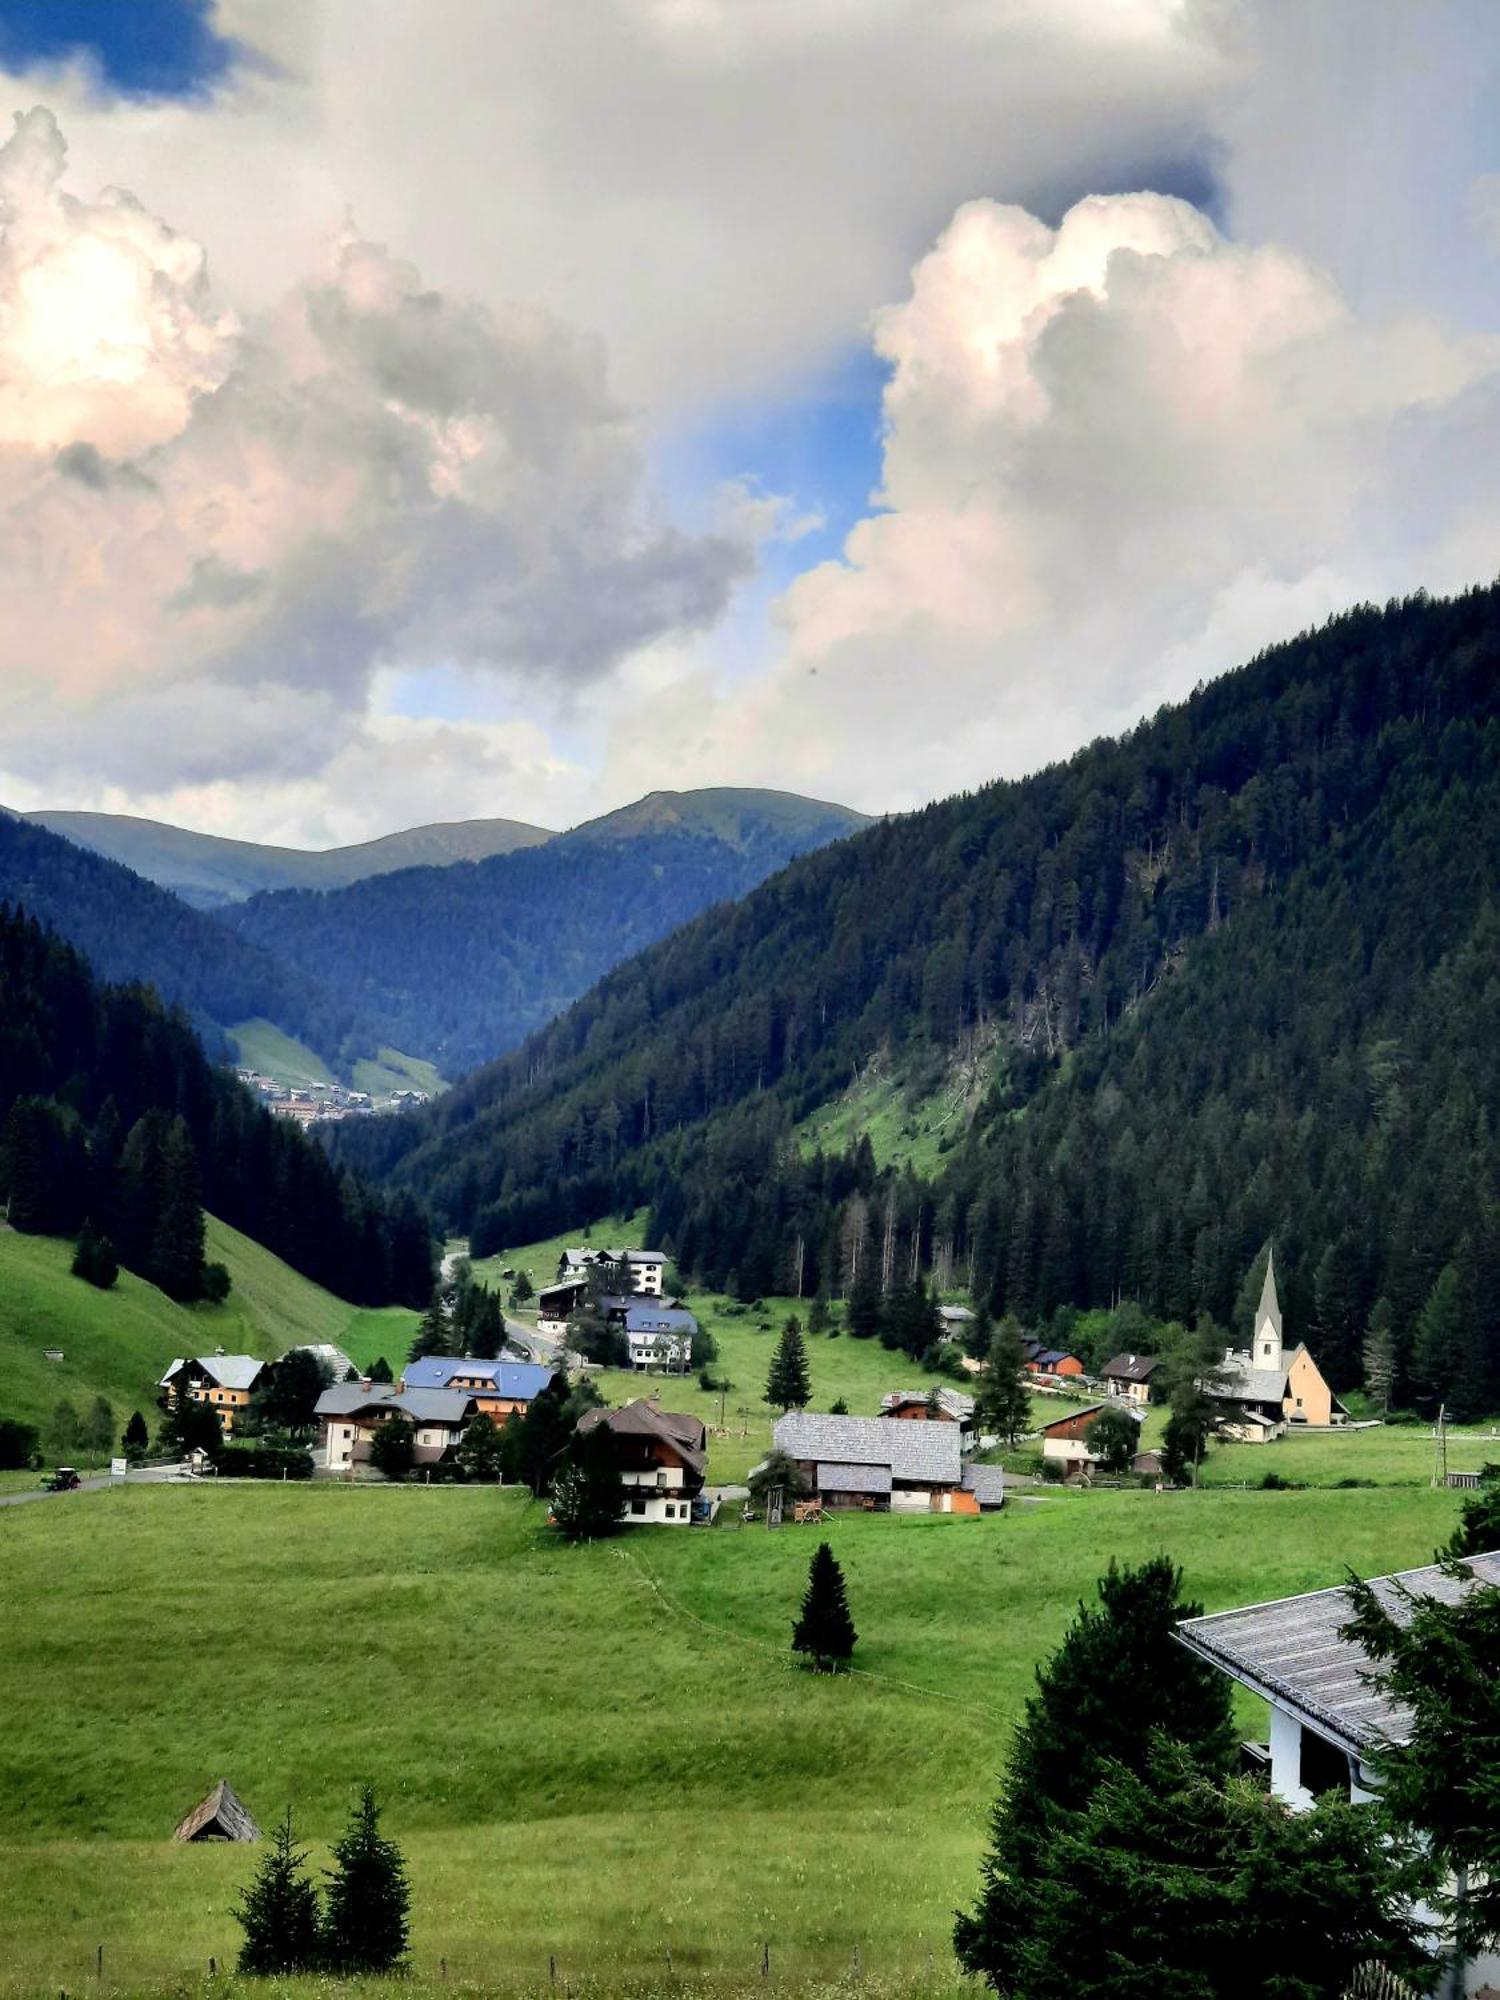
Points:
[663,1455]
[1327,1714]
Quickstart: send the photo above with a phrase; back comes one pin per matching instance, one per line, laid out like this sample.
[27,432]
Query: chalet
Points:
[954,1319]
[659,1337]
[498,1388]
[647,1269]
[1052,1362]
[663,1458]
[1326,1716]
[1129,1376]
[879,1464]
[351,1413]
[1262,1390]
[556,1304]
[1066,1438]
[941,1405]
[223,1381]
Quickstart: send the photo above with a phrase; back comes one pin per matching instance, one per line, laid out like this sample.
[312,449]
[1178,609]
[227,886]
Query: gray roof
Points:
[644,1318]
[230,1371]
[1290,1651]
[923,1454]
[517,1380]
[854,1479]
[986,1482]
[1234,1380]
[955,1315]
[423,1406]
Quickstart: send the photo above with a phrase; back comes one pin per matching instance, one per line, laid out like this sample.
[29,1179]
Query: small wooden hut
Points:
[222,1816]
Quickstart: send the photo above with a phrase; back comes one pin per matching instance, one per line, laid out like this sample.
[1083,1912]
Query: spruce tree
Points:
[824,1629]
[1478,1530]
[380,1370]
[1118,1676]
[588,1494]
[279,1915]
[136,1441]
[434,1333]
[1379,1355]
[865,1303]
[393,1448]
[94,1259]
[1003,1402]
[788,1385]
[479,1450]
[177,1240]
[366,1920]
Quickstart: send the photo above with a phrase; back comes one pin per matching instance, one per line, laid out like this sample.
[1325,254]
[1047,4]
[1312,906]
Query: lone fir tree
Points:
[367,1921]
[788,1385]
[136,1440]
[279,1915]
[824,1630]
[588,1494]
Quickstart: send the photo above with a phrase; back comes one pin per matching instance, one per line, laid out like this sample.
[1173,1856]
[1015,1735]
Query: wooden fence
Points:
[1378,1982]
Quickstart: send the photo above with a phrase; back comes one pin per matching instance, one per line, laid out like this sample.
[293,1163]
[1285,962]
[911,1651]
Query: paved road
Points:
[143,1475]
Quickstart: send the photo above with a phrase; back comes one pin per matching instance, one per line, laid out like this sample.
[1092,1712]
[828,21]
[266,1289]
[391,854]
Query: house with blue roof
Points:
[498,1388]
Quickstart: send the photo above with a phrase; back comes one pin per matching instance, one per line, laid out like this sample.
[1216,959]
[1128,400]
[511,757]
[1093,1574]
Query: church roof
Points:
[1270,1305]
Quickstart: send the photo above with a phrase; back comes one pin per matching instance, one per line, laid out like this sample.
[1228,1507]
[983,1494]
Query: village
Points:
[318,1103]
[918,1450]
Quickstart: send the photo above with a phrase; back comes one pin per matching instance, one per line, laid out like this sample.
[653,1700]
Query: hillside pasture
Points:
[594,1754]
[118,1343]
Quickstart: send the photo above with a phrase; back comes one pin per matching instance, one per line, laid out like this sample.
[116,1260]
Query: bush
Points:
[20,1445]
[1052,1471]
[264,1461]
[216,1285]
[393,1448]
[94,1260]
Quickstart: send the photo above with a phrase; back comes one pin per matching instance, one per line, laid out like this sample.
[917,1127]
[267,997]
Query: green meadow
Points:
[597,1757]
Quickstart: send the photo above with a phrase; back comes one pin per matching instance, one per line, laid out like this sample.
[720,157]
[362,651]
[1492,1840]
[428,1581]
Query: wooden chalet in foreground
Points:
[1326,1715]
[663,1458]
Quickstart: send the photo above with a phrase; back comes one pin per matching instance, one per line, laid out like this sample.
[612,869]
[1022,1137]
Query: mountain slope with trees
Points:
[458,964]
[112,1116]
[129,929]
[1235,974]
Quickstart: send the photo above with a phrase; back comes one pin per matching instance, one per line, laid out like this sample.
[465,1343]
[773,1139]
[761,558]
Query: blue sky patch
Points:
[144,48]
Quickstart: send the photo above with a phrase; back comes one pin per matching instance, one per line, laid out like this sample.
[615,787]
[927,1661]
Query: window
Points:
[637,1506]
[1323,1767]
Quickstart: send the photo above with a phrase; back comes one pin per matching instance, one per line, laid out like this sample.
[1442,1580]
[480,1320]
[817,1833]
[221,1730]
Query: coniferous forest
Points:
[1234,975]
[113,1120]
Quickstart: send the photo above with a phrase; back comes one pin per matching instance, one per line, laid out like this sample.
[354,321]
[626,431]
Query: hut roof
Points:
[222,1816]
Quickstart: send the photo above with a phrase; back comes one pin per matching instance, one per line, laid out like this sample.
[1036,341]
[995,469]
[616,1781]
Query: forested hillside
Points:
[112,1117]
[458,964]
[1237,973]
[129,929]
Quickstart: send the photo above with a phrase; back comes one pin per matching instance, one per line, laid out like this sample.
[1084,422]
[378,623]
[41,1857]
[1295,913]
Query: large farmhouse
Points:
[1326,1717]
[223,1381]
[885,1465]
[663,1457]
[352,1412]
[1262,1389]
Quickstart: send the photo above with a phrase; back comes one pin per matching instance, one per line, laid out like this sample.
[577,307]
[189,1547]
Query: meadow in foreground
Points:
[595,1757]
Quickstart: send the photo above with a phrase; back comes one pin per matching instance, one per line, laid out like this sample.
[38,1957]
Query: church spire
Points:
[1268,1319]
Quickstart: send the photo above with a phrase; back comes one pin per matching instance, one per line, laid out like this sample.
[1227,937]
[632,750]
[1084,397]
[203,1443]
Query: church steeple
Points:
[1267,1344]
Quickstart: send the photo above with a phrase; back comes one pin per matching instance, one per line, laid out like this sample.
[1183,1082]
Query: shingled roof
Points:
[1290,1650]
[685,1434]
[222,1816]
[919,1454]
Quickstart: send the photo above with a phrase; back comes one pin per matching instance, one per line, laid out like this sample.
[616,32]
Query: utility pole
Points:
[1440,1448]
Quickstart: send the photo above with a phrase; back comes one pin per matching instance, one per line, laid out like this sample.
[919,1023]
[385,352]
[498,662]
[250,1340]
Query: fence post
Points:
[765,1960]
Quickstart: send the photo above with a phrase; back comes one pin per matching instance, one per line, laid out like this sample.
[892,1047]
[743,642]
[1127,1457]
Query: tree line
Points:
[113,1122]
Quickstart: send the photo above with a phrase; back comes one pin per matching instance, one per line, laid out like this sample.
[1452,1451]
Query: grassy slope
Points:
[261,1045]
[594,1753]
[902,1130]
[117,1343]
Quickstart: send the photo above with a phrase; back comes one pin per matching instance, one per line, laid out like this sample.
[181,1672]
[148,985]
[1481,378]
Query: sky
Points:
[472,408]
